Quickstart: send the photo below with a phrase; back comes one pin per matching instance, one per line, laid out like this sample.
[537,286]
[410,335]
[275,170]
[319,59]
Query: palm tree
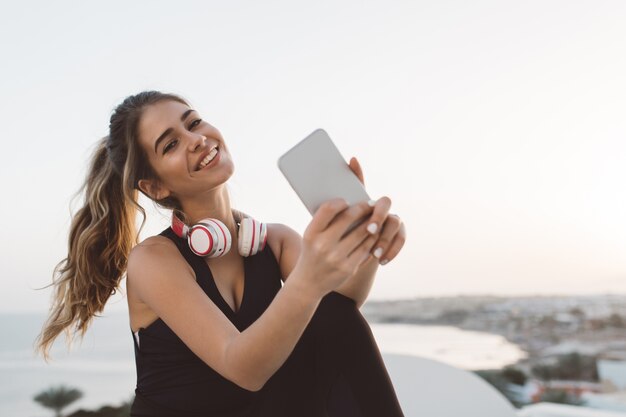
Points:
[57,398]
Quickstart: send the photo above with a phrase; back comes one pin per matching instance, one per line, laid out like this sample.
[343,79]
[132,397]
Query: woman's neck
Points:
[214,204]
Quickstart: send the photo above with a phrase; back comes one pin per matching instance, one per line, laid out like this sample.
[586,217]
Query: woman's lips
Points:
[214,161]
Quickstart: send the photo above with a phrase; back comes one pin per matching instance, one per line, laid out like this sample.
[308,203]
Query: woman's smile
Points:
[210,160]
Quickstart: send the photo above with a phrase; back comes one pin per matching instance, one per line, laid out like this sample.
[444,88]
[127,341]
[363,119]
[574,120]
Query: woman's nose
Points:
[197,141]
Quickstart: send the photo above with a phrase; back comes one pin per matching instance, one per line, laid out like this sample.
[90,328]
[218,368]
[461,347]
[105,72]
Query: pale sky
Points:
[497,128]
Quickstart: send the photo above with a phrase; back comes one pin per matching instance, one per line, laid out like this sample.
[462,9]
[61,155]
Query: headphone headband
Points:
[179,227]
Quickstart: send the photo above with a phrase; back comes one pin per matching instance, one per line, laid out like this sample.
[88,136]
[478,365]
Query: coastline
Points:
[542,326]
[464,349]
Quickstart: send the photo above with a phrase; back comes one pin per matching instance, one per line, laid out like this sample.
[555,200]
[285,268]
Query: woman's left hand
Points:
[392,233]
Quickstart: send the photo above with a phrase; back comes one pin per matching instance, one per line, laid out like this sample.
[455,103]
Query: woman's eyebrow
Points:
[169,129]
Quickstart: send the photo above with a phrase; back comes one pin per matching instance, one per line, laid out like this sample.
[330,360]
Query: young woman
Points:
[229,316]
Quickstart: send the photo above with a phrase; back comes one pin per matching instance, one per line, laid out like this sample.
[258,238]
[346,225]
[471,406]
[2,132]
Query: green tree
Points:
[572,366]
[578,367]
[514,375]
[122,410]
[561,397]
[501,383]
[57,398]
[543,372]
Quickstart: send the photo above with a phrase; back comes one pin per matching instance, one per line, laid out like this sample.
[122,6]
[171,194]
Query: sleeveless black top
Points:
[173,381]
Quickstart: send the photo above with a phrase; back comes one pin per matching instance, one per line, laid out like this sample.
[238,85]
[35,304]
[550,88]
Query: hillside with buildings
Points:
[576,345]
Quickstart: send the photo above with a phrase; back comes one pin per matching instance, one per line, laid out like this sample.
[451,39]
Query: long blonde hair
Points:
[103,231]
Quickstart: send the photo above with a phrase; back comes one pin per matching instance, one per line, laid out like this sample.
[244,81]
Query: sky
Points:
[497,128]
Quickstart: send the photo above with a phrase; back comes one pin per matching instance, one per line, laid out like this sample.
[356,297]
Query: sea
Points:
[102,365]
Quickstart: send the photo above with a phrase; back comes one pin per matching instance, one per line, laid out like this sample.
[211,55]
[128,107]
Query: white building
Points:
[613,372]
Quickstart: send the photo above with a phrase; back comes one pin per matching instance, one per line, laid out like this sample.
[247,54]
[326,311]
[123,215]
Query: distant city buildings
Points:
[576,345]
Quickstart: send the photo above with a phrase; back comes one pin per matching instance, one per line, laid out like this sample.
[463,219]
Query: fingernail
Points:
[372,228]
[378,252]
[384,261]
[371,203]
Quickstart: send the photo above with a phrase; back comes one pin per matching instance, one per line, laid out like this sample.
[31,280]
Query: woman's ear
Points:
[153,189]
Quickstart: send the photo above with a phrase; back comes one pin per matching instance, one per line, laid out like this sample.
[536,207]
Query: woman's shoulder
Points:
[278,234]
[156,256]
[156,243]
[281,232]
[154,250]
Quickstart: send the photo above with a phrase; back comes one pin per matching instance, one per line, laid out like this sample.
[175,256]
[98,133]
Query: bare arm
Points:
[160,277]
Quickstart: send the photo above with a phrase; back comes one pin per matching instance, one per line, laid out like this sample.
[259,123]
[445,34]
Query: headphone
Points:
[211,238]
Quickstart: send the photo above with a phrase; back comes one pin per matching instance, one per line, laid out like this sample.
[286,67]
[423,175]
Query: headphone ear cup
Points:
[209,237]
[252,236]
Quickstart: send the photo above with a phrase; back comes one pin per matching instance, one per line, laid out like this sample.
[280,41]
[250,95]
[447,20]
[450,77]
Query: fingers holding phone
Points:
[392,233]
[330,253]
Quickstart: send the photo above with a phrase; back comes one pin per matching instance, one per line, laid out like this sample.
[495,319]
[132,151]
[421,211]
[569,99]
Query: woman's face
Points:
[177,140]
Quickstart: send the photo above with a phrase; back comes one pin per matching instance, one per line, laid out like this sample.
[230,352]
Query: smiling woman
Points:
[270,329]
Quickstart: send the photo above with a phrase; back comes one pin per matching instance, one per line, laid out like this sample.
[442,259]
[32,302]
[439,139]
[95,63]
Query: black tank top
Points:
[173,381]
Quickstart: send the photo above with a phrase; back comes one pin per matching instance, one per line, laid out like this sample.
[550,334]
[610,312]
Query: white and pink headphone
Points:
[211,238]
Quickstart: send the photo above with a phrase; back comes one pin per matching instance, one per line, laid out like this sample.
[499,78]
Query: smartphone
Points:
[317,172]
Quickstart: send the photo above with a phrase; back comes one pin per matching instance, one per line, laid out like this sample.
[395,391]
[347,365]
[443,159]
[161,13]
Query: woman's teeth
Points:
[208,158]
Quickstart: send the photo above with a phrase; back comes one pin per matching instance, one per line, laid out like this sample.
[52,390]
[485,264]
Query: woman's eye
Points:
[170,145]
[194,123]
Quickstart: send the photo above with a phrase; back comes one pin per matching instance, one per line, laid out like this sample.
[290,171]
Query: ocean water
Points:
[103,366]
[460,348]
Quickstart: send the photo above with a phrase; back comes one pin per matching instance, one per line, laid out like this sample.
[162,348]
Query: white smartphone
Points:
[317,172]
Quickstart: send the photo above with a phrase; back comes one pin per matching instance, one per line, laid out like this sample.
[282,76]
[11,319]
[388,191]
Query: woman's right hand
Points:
[327,255]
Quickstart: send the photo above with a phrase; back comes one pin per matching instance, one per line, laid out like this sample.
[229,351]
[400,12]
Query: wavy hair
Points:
[103,230]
